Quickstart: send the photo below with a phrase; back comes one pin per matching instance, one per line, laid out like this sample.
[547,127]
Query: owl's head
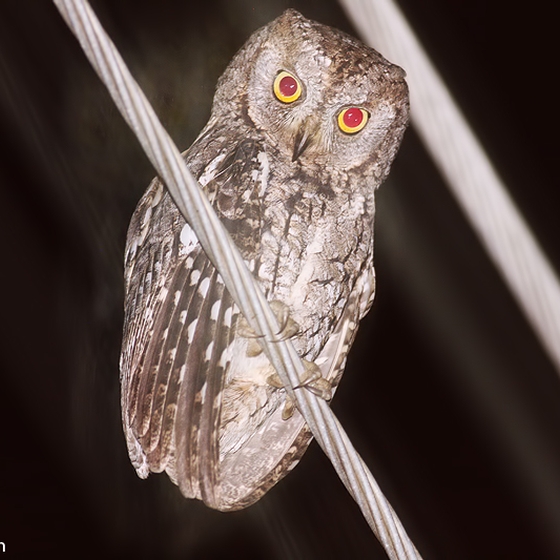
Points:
[318,96]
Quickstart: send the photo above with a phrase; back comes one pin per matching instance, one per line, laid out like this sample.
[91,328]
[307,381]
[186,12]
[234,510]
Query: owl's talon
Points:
[315,382]
[275,381]
[253,348]
[244,330]
[288,328]
[320,387]
[289,407]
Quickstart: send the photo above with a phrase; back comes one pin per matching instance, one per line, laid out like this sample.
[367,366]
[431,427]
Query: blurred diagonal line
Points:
[467,170]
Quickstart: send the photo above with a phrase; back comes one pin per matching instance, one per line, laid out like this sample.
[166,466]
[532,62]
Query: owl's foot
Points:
[288,328]
[312,380]
[315,382]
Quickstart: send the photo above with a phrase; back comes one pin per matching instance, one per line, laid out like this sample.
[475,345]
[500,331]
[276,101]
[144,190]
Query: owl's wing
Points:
[178,322]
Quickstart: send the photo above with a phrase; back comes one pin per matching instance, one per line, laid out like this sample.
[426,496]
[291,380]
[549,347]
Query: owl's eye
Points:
[352,120]
[287,87]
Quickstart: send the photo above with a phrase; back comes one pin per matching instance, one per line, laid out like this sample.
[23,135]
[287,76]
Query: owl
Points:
[305,123]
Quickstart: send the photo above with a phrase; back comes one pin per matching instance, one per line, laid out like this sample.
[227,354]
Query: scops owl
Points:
[305,123]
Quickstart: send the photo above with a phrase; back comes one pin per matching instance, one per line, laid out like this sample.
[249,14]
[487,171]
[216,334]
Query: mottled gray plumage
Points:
[296,193]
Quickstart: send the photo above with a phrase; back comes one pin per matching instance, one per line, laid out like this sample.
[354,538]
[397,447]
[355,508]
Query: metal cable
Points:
[215,240]
[467,170]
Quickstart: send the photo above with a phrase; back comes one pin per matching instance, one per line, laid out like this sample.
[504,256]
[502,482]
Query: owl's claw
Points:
[253,347]
[320,387]
[313,381]
[275,381]
[288,328]
[289,407]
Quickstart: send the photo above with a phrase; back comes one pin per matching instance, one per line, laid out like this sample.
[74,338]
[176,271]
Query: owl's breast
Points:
[313,249]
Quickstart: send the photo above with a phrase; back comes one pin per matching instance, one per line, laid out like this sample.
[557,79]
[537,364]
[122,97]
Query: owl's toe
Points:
[312,380]
[288,328]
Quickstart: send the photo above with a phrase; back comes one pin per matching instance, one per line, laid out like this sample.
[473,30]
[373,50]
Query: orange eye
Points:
[287,87]
[352,120]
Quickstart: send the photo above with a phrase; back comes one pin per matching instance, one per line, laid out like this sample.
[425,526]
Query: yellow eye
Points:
[287,87]
[352,120]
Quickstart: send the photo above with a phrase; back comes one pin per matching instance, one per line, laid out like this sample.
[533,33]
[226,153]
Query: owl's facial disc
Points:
[300,106]
[321,100]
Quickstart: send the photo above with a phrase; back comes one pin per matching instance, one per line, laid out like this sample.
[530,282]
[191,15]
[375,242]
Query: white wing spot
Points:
[146,217]
[203,288]
[210,171]
[188,238]
[215,310]
[163,293]
[158,195]
[227,316]
[226,356]
[177,297]
[202,391]
[292,466]
[191,330]
[195,275]
[182,372]
[143,234]
[208,354]
[182,316]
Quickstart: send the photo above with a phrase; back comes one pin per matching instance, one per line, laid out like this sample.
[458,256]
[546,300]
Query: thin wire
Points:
[215,240]
[467,170]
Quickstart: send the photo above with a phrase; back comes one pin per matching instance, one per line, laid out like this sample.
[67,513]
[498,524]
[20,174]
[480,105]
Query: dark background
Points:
[447,395]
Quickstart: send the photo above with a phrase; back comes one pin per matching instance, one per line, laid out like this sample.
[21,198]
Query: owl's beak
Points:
[304,137]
